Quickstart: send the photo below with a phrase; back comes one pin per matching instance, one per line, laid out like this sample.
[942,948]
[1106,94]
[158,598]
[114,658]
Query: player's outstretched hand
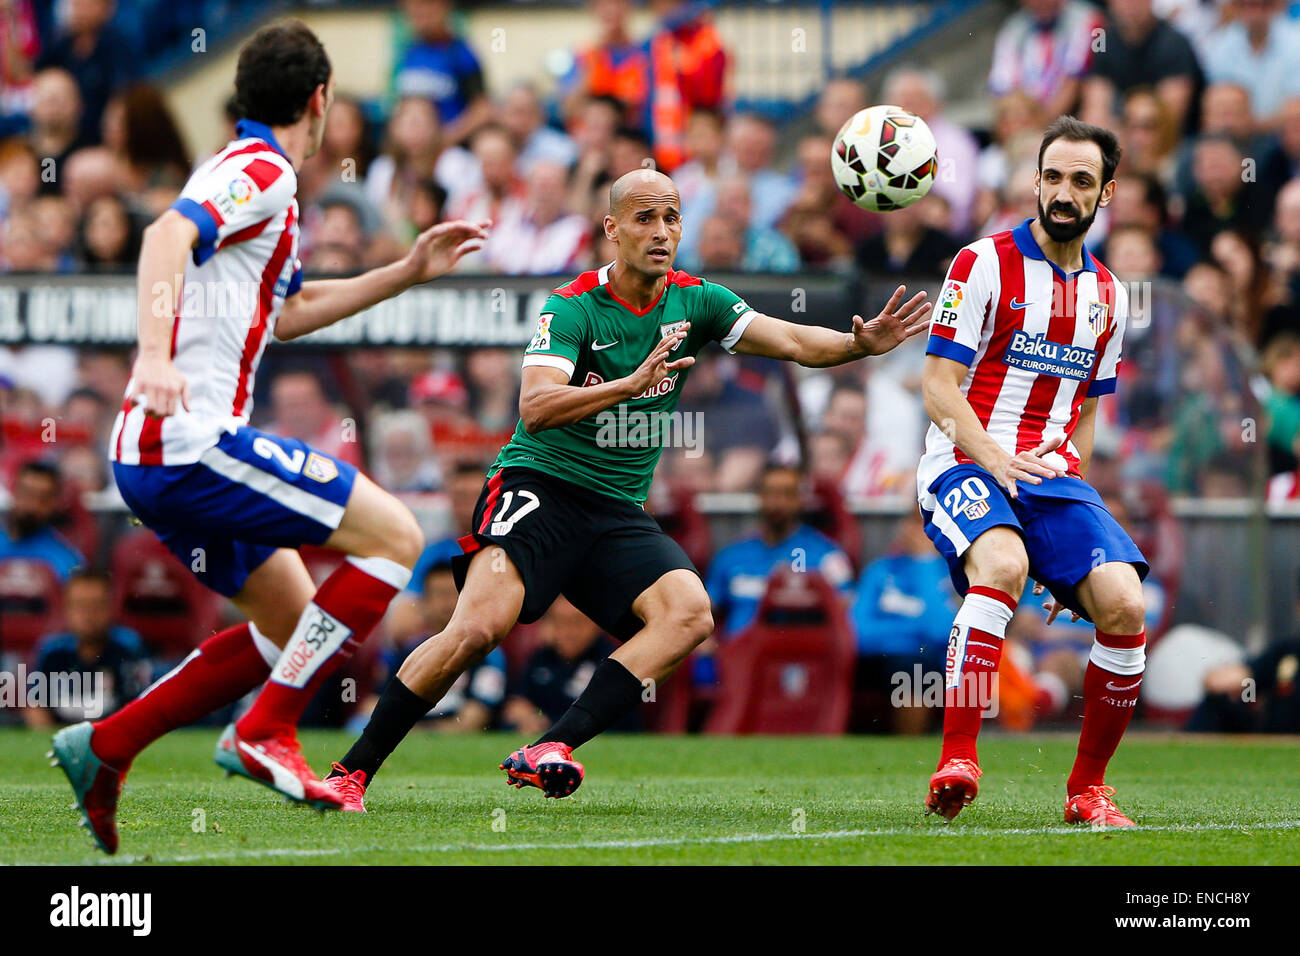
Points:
[894,325]
[1054,607]
[158,385]
[656,366]
[1029,466]
[440,247]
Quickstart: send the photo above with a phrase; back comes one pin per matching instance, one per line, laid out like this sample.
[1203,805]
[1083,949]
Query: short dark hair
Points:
[441,566]
[634,133]
[469,467]
[94,575]
[43,468]
[773,465]
[279,69]
[1077,131]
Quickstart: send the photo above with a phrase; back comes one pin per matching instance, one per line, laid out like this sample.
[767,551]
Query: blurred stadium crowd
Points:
[1205,228]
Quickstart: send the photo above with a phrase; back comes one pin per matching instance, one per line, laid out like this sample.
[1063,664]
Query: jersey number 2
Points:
[270,450]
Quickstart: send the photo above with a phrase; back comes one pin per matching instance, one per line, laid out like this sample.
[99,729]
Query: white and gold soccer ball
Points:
[884,158]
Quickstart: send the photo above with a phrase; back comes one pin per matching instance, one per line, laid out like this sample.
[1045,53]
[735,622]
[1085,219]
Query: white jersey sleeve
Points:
[964,303]
[236,195]
[1104,381]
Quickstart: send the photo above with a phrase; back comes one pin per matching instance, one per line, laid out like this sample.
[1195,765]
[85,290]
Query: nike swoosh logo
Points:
[1111,685]
[1019,305]
[597,347]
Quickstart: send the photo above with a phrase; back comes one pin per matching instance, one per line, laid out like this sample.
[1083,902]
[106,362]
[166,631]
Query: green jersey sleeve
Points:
[723,314]
[561,332]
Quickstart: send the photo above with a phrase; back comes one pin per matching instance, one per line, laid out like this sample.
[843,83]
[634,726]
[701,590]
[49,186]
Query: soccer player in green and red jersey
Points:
[561,511]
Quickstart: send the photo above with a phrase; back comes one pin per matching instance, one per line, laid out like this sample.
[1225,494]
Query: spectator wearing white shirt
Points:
[499,195]
[538,236]
[921,92]
[413,153]
[523,116]
[1259,50]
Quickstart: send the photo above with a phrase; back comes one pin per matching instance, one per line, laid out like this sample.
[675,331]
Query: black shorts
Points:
[600,552]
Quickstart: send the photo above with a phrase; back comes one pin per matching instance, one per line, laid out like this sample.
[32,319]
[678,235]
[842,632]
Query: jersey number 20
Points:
[974,489]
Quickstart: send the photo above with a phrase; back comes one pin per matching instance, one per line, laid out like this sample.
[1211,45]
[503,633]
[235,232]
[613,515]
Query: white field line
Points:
[936,831]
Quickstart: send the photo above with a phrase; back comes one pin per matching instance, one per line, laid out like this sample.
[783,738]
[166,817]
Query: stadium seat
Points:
[682,521]
[791,671]
[31,604]
[827,513]
[157,596]
[79,526]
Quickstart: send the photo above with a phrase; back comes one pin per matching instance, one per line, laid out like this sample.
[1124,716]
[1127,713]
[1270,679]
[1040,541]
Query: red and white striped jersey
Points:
[1037,343]
[244,267]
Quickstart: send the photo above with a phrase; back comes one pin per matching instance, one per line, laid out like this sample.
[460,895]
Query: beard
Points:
[1061,231]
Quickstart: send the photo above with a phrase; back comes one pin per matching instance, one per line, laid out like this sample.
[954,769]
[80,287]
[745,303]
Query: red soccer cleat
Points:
[275,762]
[351,787]
[96,785]
[550,767]
[953,786]
[1095,807]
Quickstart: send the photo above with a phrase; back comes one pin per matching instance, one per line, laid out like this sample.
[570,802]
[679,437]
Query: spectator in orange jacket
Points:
[688,68]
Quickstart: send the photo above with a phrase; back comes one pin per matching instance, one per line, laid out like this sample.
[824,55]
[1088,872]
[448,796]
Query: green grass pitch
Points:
[684,800]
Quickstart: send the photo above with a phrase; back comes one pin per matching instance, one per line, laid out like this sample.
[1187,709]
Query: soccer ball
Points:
[884,158]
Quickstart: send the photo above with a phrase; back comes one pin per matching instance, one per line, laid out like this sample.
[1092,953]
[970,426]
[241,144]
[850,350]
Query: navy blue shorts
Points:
[1066,527]
[248,495]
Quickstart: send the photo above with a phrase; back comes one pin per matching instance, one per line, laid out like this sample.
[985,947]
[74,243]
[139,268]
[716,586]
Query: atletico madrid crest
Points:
[1098,317]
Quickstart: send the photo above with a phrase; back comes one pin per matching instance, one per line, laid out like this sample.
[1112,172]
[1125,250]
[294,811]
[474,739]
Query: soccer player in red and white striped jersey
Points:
[218,277]
[1026,339]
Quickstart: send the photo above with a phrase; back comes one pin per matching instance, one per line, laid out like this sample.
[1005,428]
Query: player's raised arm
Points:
[816,347]
[164,251]
[323,302]
[547,400]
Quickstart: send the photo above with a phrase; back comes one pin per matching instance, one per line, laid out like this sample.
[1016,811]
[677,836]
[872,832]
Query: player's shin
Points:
[218,672]
[1110,693]
[344,611]
[612,692]
[974,650]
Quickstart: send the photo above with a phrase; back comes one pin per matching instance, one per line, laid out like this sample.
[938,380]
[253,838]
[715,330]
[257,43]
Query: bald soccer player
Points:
[561,510]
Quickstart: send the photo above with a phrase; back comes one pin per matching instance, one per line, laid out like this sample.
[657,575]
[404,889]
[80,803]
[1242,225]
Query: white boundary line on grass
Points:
[937,831]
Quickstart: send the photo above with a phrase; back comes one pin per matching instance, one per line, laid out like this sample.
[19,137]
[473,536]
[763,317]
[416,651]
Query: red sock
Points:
[974,650]
[1110,693]
[342,614]
[218,672]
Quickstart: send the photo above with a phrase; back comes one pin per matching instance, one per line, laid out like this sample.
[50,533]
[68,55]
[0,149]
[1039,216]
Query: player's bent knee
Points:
[407,541]
[1125,613]
[1005,569]
[474,640]
[693,620]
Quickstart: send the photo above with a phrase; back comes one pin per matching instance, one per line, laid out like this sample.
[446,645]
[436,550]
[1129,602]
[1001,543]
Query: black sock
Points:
[399,709]
[613,691]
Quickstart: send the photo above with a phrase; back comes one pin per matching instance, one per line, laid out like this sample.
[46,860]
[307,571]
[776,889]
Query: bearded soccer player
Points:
[233,503]
[1025,342]
[561,512]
